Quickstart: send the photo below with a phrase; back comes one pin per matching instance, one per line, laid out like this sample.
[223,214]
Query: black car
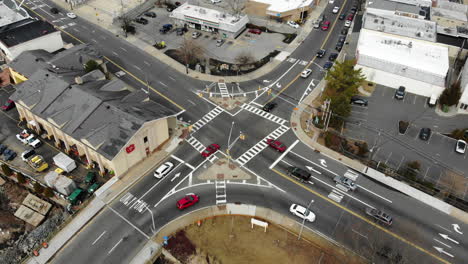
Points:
[342,16]
[303,175]
[8,155]
[425,133]
[54,10]
[359,101]
[400,93]
[341,39]
[141,20]
[2,148]
[353,10]
[165,28]
[321,53]
[150,14]
[181,31]
[344,31]
[333,56]
[328,65]
[339,46]
[268,107]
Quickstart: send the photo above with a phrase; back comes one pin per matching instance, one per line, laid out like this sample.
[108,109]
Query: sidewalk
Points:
[105,195]
[102,15]
[356,165]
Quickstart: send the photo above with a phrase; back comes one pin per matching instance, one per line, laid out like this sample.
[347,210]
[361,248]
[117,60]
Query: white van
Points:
[352,175]
[432,100]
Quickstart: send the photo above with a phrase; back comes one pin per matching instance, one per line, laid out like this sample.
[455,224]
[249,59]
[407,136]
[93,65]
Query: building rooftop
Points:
[394,6]
[284,5]
[205,14]
[417,54]
[27,31]
[10,13]
[415,2]
[402,26]
[459,15]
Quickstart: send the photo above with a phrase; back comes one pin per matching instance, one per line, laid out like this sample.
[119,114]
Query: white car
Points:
[306,73]
[71,15]
[336,9]
[28,139]
[293,24]
[215,1]
[302,212]
[196,34]
[347,23]
[460,147]
[331,1]
[163,170]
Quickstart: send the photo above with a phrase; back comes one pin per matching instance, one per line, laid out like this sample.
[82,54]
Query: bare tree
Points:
[236,6]
[244,58]
[190,52]
[126,25]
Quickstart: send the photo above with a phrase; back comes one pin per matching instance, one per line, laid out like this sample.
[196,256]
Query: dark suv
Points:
[141,20]
[303,175]
[321,53]
[359,101]
[400,93]
[379,216]
[268,107]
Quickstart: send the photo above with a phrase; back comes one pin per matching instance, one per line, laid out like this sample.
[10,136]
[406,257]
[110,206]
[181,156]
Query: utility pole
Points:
[303,221]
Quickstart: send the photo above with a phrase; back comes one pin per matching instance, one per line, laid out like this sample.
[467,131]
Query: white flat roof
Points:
[205,14]
[9,14]
[418,54]
[284,5]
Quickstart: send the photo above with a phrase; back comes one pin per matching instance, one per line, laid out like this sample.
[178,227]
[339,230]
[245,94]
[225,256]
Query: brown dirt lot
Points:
[230,240]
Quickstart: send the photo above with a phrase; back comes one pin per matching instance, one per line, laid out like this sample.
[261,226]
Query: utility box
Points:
[64,162]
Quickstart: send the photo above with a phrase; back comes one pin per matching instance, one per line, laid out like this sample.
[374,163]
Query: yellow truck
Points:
[37,163]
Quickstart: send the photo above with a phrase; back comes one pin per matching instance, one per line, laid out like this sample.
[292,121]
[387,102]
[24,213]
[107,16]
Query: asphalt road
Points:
[128,221]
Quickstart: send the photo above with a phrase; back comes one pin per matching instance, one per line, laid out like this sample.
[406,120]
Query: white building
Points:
[386,7]
[463,102]
[395,61]
[227,25]
[284,10]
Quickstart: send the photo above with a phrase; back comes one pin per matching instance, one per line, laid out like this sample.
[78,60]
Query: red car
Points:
[325,25]
[255,31]
[350,17]
[210,150]
[276,144]
[189,200]
[8,105]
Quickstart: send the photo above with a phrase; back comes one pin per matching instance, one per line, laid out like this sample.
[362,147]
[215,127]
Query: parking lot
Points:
[377,124]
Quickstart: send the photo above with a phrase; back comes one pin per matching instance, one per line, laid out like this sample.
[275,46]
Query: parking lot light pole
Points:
[303,221]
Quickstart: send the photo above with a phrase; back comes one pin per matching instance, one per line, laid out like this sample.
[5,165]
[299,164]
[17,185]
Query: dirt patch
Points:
[230,171]
[368,87]
[230,240]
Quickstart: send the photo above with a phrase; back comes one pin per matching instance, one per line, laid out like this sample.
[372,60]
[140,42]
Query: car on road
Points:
[327,65]
[342,39]
[196,34]
[325,25]
[27,154]
[359,101]
[342,16]
[339,46]
[164,169]
[379,216]
[28,138]
[350,17]
[293,24]
[210,150]
[71,15]
[432,101]
[321,53]
[425,133]
[141,20]
[333,56]
[336,9]
[303,175]
[54,10]
[347,23]
[331,1]
[215,1]
[150,14]
[306,73]
[255,31]
[344,31]
[302,212]
[346,182]
[219,42]
[353,10]
[269,106]
[276,144]
[316,24]
[188,200]
[400,93]
[460,147]
[8,105]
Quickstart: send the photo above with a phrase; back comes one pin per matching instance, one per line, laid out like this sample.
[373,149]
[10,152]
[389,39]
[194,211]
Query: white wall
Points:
[50,42]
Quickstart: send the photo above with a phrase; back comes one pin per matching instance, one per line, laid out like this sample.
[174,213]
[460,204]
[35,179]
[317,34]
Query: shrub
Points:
[48,192]
[20,177]
[6,170]
[38,188]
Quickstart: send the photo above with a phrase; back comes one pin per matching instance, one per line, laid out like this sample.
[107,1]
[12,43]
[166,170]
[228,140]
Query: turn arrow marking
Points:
[323,162]
[456,227]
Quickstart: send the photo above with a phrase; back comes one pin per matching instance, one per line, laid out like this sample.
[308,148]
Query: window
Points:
[145,139]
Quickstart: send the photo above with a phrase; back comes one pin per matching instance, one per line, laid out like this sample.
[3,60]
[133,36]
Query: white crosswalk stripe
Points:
[261,145]
[220,192]
[212,158]
[264,114]
[207,118]
[303,62]
[223,90]
[291,60]
[196,144]
[133,203]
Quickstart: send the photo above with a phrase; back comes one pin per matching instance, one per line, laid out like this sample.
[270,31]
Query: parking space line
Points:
[112,249]
[99,237]
[414,101]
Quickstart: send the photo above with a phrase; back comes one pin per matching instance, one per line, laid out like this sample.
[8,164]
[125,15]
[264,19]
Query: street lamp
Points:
[303,221]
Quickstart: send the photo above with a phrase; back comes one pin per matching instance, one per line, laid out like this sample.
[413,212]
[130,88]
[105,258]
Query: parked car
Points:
[316,24]
[342,16]
[302,212]
[432,101]
[425,133]
[347,23]
[8,105]
[2,148]
[336,9]
[321,53]
[27,154]
[339,46]
[8,155]
[379,216]
[325,25]
[141,20]
[460,147]
[292,24]
[269,106]
[400,93]
[196,34]
[342,39]
[306,73]
[255,31]
[188,200]
[276,144]
[71,15]
[165,28]
[28,138]
[219,42]
[181,31]
[327,65]
[350,17]
[359,101]
[90,177]
[346,182]
[164,169]
[150,14]
[333,56]
[54,10]
[344,31]
[353,10]
[210,150]
[303,175]
[38,163]
[93,187]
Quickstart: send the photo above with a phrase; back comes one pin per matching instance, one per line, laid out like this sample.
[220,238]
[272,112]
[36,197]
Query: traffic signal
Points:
[242,136]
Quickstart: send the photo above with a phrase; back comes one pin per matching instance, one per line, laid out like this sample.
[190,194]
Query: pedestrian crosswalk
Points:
[207,118]
[261,145]
[220,192]
[264,114]
[301,62]
[133,202]
[196,144]
[223,90]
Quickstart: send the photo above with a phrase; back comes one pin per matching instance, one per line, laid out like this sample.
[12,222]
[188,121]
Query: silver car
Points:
[348,183]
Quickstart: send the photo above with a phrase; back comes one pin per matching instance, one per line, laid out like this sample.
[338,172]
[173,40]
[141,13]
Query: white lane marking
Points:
[75,29]
[158,183]
[312,169]
[99,237]
[93,40]
[249,170]
[257,104]
[175,177]
[128,222]
[182,161]
[358,233]
[442,243]
[123,49]
[115,53]
[381,197]
[138,68]
[190,101]
[112,249]
[448,230]
[284,154]
[315,163]
[162,83]
[171,78]
[287,163]
[147,63]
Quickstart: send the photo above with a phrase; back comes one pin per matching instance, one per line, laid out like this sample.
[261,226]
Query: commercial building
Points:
[283,10]
[19,32]
[210,20]
[462,106]
[387,7]
[104,123]
[451,18]
[420,66]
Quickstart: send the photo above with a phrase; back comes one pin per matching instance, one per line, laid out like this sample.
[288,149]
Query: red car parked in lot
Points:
[276,144]
[8,105]
[189,200]
[255,31]
[210,150]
